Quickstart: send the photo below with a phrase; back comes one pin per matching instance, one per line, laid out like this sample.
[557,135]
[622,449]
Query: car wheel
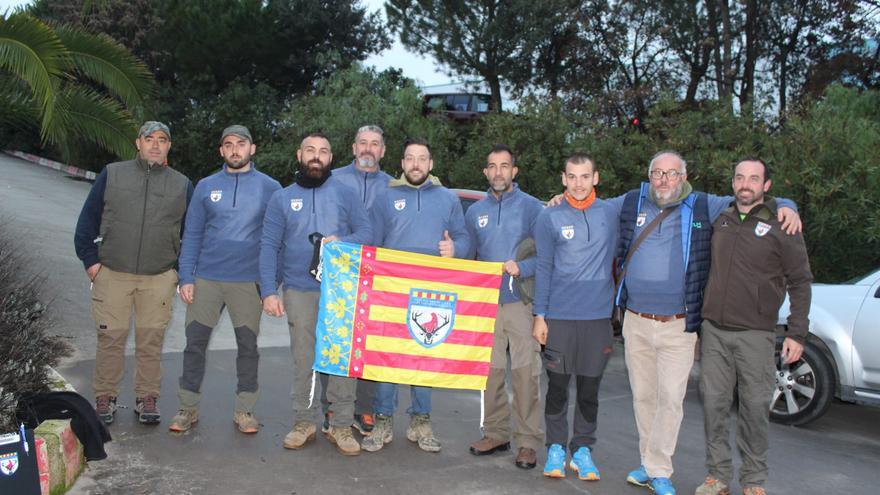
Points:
[804,389]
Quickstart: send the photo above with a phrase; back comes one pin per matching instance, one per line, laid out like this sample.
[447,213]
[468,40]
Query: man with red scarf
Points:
[573,294]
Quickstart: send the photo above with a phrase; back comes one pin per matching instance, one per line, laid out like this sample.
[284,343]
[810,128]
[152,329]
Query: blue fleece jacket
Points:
[655,277]
[497,226]
[224,223]
[575,252]
[414,219]
[292,215]
[368,185]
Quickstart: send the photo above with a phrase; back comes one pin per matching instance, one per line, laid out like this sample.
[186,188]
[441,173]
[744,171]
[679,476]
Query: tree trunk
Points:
[747,89]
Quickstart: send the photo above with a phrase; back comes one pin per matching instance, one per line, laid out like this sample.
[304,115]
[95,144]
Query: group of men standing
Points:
[686,261]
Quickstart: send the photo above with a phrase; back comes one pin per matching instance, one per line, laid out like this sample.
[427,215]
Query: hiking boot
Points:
[526,458]
[105,408]
[147,409]
[754,490]
[184,420]
[582,464]
[638,477]
[712,486]
[325,426]
[246,422]
[364,423]
[420,431]
[555,465]
[344,440]
[486,446]
[302,433]
[383,432]
[662,486]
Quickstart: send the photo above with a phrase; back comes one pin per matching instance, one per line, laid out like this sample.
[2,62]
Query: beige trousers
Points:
[659,357]
[114,296]
[513,334]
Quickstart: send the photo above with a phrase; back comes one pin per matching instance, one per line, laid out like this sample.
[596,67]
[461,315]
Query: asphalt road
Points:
[836,454]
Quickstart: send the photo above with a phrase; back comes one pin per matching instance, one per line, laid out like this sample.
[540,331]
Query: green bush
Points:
[26,349]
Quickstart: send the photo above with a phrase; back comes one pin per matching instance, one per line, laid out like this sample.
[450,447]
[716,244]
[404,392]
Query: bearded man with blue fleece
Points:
[497,224]
[418,215]
[219,268]
[662,291]
[573,294]
[365,176]
[314,203]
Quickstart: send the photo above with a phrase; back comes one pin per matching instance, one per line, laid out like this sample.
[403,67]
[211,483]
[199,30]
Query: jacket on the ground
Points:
[413,219]
[497,226]
[575,252]
[132,218]
[754,262]
[224,224]
[292,215]
[367,185]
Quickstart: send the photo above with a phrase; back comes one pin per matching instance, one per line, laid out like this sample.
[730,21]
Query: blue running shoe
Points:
[582,463]
[555,465]
[662,486]
[639,477]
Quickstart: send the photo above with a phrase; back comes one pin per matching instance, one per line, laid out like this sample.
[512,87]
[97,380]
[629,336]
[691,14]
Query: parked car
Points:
[460,107]
[842,353]
[468,197]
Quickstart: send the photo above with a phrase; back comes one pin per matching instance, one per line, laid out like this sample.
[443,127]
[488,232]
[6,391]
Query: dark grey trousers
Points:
[242,300]
[363,403]
[740,361]
[580,348]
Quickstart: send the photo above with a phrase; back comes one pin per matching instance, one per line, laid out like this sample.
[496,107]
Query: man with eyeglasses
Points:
[662,292]
[419,215]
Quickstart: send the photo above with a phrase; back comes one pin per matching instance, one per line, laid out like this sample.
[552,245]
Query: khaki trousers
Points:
[302,315]
[513,334]
[659,357]
[114,296]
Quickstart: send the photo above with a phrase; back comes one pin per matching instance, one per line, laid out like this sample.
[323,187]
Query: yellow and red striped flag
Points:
[399,317]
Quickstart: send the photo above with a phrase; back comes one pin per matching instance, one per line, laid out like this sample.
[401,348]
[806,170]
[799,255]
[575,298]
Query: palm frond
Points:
[106,62]
[30,50]
[93,117]
[17,107]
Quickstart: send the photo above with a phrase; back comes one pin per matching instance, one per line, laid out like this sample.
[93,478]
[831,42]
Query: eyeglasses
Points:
[670,174]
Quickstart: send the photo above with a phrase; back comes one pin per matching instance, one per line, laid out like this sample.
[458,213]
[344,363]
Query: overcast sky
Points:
[423,69]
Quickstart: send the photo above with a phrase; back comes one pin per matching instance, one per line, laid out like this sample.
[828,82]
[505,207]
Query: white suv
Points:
[842,355]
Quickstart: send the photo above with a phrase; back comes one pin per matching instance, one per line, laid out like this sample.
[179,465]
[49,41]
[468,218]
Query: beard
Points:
[756,197]
[665,198]
[238,163]
[367,160]
[501,185]
[313,169]
[415,181]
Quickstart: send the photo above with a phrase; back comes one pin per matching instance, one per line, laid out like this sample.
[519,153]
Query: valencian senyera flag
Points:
[399,317]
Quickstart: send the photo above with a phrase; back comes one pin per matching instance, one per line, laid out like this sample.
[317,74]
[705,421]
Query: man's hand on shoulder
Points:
[791,221]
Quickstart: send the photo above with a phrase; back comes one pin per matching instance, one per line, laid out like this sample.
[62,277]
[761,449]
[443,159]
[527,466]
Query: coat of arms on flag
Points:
[400,317]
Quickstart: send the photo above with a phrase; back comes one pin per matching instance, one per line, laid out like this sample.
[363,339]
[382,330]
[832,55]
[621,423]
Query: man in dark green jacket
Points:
[128,238]
[754,262]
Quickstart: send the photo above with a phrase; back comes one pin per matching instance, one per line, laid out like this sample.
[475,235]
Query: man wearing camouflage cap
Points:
[128,238]
[219,268]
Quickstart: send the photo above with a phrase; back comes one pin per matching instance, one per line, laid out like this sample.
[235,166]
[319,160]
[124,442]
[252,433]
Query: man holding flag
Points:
[314,203]
[416,214]
[497,225]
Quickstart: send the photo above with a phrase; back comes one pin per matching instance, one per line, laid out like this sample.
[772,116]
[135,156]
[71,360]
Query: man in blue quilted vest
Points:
[662,292]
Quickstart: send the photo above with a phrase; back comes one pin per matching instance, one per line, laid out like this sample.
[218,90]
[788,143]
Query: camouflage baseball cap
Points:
[236,130]
[152,126]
